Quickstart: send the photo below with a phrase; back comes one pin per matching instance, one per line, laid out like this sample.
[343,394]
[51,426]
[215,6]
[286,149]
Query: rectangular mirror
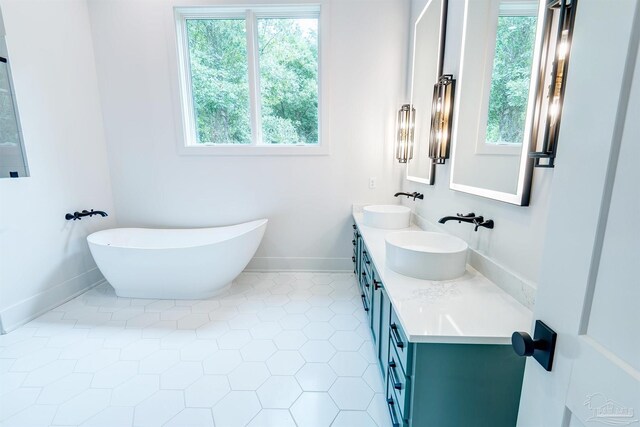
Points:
[494,114]
[428,55]
[12,156]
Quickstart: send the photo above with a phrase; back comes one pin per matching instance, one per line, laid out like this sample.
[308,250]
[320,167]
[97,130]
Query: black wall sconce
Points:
[558,33]
[441,118]
[405,132]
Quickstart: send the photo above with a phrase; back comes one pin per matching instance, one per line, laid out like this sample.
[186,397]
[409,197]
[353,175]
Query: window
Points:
[511,74]
[250,77]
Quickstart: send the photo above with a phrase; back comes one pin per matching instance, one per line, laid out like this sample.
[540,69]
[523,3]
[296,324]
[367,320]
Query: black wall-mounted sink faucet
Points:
[415,195]
[471,218]
[79,215]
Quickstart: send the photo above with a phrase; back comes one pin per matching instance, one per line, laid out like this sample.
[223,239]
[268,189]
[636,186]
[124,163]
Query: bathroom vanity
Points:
[443,347]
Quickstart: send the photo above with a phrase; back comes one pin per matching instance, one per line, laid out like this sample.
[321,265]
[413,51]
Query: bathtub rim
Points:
[251,226]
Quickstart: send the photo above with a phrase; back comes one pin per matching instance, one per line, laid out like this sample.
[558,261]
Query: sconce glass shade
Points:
[441,115]
[558,31]
[405,131]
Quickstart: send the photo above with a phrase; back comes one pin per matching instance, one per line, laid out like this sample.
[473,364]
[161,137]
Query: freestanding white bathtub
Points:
[174,263]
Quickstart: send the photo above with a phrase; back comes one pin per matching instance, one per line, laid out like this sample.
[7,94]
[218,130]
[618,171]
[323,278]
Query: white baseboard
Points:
[28,309]
[299,264]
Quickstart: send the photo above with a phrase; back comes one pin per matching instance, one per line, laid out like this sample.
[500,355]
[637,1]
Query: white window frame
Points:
[187,144]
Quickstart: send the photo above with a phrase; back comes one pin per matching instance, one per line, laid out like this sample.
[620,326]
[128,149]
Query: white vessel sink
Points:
[387,216]
[426,255]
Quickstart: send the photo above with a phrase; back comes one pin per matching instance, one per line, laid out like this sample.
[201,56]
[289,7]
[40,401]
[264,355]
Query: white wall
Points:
[516,241]
[306,199]
[43,258]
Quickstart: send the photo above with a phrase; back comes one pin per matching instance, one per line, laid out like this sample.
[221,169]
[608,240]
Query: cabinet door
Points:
[376,307]
[383,339]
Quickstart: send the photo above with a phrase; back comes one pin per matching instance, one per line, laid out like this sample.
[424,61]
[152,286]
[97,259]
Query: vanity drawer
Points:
[367,283]
[399,383]
[400,345]
[394,408]
[366,304]
[366,261]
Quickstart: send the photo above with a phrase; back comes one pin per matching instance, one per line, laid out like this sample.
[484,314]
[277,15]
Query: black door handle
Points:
[542,346]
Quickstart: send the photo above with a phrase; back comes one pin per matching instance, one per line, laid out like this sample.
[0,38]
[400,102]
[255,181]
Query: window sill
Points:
[253,150]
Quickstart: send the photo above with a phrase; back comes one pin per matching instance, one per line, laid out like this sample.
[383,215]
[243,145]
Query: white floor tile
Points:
[258,350]
[271,314]
[64,389]
[205,306]
[317,351]
[140,349]
[344,322]
[261,354]
[17,400]
[35,360]
[11,381]
[316,377]
[352,419]
[212,330]
[314,410]
[273,418]
[160,361]
[373,377]
[319,314]
[244,321]
[346,340]
[193,321]
[234,339]
[82,407]
[279,392]
[293,321]
[322,279]
[378,410]
[289,340]
[21,347]
[318,330]
[181,375]
[236,409]
[351,393]
[348,364]
[135,390]
[248,376]
[178,338]
[265,330]
[207,391]
[159,408]
[285,362]
[159,329]
[34,416]
[143,320]
[98,360]
[114,375]
[198,350]
[222,362]
[191,417]
[110,417]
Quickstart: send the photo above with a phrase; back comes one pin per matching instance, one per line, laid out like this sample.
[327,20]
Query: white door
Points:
[589,290]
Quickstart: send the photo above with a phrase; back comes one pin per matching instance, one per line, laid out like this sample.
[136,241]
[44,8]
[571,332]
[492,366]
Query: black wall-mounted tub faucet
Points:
[415,195]
[79,215]
[471,218]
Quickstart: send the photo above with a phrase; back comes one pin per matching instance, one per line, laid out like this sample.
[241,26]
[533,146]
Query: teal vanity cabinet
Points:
[375,301]
[431,384]
[451,385]
[380,316]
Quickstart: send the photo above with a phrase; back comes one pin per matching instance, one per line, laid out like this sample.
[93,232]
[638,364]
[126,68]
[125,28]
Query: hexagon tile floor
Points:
[276,349]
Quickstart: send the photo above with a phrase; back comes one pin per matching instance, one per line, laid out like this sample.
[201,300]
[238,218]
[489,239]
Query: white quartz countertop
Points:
[467,310]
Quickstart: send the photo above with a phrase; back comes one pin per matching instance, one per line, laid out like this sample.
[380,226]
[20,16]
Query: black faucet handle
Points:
[480,222]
